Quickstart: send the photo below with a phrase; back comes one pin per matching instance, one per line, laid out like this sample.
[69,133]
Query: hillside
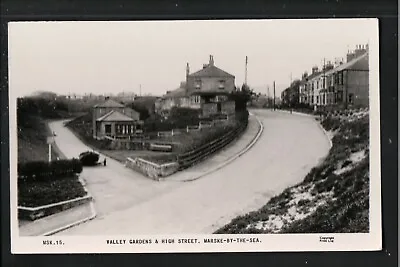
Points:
[333,197]
[32,114]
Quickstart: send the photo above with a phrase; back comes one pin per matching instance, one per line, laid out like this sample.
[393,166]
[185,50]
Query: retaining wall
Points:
[150,169]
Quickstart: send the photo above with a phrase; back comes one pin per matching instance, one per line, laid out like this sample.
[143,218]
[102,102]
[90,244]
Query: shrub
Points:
[89,158]
[47,192]
[43,171]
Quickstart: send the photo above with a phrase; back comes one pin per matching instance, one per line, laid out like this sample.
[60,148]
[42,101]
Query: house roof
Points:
[352,64]
[114,115]
[211,71]
[179,92]
[109,104]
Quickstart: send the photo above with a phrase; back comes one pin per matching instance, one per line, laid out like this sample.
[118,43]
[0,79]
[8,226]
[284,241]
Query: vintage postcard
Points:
[194,136]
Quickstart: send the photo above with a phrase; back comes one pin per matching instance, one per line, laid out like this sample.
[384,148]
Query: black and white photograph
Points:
[194,136]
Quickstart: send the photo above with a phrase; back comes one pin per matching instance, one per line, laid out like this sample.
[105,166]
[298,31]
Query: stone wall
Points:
[150,169]
[228,107]
[209,109]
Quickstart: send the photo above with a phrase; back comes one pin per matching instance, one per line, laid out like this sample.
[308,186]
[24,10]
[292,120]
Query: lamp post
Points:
[50,141]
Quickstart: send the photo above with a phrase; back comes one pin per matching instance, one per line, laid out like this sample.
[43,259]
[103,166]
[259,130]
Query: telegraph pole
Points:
[245,72]
[274,95]
[140,89]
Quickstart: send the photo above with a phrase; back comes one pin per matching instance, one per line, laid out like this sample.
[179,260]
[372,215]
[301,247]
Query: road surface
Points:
[128,203]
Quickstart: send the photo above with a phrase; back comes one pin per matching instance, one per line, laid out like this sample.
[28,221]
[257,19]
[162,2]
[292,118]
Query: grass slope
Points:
[333,197]
[32,140]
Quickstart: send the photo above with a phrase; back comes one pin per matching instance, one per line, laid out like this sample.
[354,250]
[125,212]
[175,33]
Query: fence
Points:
[221,119]
[188,159]
[185,160]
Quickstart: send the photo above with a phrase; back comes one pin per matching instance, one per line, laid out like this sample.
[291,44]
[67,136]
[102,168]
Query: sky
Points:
[112,57]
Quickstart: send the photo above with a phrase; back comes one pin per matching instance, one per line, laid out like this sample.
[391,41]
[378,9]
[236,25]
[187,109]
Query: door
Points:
[219,107]
[108,129]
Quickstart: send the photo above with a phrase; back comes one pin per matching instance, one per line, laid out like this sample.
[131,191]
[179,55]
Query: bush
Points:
[43,171]
[89,158]
[47,192]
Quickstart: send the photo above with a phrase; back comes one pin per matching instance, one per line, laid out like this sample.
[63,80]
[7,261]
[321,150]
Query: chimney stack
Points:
[314,69]
[211,63]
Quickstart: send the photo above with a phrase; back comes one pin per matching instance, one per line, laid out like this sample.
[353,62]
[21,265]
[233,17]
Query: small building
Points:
[114,120]
[206,89]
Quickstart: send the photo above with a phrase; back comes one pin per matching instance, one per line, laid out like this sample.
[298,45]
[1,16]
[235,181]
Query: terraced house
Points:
[344,85]
[206,89]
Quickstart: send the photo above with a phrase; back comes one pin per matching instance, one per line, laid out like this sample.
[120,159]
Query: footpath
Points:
[75,216]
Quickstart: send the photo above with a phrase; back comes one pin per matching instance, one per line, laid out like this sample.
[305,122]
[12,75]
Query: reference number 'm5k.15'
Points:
[53,242]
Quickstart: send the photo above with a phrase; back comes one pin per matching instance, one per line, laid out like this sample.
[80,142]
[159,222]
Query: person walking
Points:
[105,162]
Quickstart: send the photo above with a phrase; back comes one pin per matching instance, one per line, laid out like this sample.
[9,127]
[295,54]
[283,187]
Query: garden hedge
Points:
[42,170]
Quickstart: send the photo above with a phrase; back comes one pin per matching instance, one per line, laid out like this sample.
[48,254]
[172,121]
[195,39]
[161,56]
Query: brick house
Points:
[206,89]
[115,120]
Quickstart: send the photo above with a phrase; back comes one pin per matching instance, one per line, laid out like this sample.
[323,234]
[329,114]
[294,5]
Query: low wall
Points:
[228,107]
[150,169]
[185,160]
[209,109]
[35,213]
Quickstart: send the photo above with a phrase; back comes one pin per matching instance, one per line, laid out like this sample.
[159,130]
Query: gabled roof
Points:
[352,64]
[177,93]
[114,115]
[109,104]
[211,71]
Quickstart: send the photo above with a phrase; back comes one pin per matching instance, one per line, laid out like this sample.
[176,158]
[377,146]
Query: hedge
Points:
[42,170]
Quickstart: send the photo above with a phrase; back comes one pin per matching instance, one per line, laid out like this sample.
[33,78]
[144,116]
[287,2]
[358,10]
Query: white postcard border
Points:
[271,242]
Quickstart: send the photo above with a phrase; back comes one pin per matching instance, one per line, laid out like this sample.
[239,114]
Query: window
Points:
[341,78]
[197,84]
[351,98]
[221,84]
[196,99]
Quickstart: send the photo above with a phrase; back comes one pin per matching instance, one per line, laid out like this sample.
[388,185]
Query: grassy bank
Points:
[333,197]
[32,117]
[32,140]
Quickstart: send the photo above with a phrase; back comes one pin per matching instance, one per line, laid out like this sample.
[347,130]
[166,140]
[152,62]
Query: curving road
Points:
[128,203]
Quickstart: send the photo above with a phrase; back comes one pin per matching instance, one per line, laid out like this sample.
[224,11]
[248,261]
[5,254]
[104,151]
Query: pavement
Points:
[224,157]
[128,203]
[54,223]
